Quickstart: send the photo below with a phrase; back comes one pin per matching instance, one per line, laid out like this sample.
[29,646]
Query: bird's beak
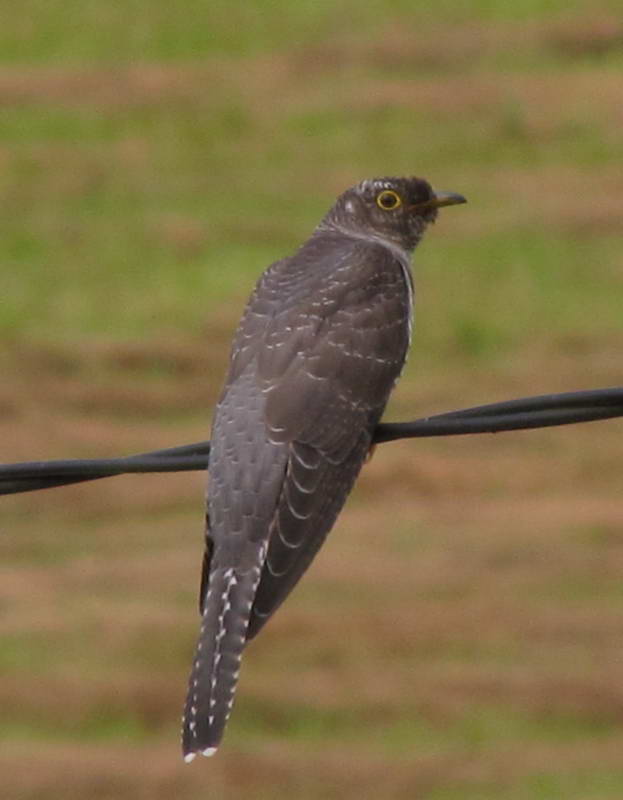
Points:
[446,199]
[440,199]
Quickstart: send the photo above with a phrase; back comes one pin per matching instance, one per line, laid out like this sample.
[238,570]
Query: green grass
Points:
[580,785]
[162,213]
[74,32]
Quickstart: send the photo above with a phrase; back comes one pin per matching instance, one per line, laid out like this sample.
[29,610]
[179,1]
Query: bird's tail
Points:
[216,666]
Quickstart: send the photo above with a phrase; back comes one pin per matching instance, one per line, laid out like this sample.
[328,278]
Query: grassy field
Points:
[461,634]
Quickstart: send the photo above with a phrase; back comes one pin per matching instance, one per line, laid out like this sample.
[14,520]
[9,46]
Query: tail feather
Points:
[216,665]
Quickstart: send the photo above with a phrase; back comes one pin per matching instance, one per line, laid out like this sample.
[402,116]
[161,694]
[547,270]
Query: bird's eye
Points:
[388,200]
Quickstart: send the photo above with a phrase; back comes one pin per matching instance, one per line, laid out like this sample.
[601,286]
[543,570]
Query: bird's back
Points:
[320,346]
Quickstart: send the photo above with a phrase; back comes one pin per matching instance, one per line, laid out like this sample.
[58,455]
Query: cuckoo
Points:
[321,344]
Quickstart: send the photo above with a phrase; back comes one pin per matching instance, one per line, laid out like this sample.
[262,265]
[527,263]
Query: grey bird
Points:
[321,344]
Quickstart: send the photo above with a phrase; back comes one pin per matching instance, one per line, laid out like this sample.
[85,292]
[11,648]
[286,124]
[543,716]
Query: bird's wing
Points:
[328,364]
[302,522]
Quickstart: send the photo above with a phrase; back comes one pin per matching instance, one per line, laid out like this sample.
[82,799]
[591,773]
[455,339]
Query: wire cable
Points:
[541,411]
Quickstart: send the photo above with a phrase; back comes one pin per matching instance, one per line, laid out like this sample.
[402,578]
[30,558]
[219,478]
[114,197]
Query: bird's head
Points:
[397,210]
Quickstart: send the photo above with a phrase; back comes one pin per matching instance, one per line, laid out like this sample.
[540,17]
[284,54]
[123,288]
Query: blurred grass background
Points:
[460,634]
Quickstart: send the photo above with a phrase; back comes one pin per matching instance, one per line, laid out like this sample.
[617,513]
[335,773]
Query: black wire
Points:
[540,411]
[527,412]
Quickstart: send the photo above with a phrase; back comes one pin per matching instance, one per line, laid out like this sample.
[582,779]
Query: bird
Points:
[321,343]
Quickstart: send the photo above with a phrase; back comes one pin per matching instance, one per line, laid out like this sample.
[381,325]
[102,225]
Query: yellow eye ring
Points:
[388,200]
